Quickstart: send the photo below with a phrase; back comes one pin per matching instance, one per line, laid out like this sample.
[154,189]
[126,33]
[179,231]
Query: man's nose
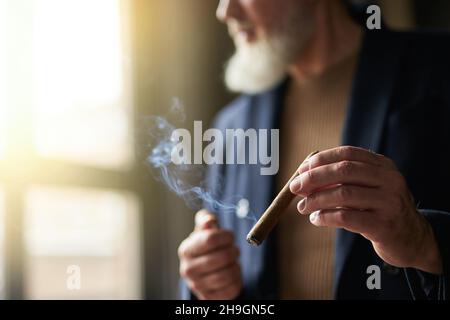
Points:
[229,9]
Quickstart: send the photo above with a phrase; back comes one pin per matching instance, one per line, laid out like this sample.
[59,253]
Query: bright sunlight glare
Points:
[79,100]
[2,78]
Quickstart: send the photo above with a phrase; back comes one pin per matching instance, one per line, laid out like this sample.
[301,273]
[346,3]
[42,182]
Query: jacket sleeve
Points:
[428,286]
[213,179]
[185,293]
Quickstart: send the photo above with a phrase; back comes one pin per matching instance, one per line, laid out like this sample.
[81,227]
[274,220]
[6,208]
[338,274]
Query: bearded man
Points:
[369,220]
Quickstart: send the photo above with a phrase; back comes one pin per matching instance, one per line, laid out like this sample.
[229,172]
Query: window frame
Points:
[20,153]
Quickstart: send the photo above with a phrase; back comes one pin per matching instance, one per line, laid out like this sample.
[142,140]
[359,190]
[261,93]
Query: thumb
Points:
[205,220]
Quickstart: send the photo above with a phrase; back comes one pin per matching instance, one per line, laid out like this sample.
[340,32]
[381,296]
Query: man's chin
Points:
[255,69]
[240,81]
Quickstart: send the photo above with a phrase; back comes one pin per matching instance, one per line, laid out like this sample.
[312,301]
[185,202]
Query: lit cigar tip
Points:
[253,241]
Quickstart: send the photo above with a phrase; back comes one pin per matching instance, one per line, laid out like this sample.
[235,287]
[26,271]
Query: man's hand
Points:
[363,192]
[209,260]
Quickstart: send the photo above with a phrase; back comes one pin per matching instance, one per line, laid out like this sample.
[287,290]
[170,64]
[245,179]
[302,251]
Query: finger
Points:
[228,293]
[198,267]
[343,196]
[205,241]
[205,220]
[346,153]
[351,220]
[344,172]
[219,279]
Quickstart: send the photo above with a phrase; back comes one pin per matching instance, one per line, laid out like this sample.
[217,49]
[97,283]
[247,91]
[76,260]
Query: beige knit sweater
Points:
[312,119]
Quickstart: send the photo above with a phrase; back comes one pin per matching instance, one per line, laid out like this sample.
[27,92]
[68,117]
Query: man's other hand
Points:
[209,260]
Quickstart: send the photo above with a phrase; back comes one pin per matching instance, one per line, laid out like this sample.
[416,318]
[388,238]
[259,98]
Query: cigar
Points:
[270,217]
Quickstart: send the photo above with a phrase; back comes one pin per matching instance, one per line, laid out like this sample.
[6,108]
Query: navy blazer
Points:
[399,107]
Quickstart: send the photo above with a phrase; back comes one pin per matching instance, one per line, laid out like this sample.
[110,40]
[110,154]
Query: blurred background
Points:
[77,79]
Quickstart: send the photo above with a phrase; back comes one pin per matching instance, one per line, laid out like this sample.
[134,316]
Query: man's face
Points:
[269,36]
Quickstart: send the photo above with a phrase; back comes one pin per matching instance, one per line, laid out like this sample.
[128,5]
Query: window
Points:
[2,249]
[85,229]
[67,153]
[2,147]
[81,107]
[2,78]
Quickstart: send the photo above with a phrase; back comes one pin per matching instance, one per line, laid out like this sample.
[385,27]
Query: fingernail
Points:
[296,185]
[301,205]
[306,165]
[314,216]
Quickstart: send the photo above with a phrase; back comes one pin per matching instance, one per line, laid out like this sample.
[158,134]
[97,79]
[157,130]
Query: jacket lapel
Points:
[371,95]
[265,111]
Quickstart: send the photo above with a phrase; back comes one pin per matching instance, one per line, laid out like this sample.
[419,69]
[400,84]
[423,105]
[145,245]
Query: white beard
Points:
[256,67]
[261,65]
